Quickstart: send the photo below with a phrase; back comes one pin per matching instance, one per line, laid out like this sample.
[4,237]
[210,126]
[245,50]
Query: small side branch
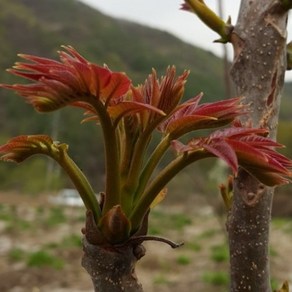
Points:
[210,18]
[137,240]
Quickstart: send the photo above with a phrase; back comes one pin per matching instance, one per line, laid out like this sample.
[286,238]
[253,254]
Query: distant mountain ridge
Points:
[41,26]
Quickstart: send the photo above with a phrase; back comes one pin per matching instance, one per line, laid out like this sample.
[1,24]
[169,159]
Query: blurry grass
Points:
[8,212]
[219,253]
[216,278]
[16,254]
[42,218]
[72,240]
[160,280]
[208,234]
[18,225]
[154,230]
[279,222]
[160,221]
[273,252]
[5,217]
[194,246]
[51,245]
[56,217]
[42,258]
[282,223]
[183,260]
[275,284]
[39,258]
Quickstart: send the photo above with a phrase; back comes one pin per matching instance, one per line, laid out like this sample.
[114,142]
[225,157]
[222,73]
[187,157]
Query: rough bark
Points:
[259,41]
[111,267]
[111,270]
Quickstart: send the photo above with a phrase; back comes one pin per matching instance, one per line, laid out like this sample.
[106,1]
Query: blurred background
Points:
[40,214]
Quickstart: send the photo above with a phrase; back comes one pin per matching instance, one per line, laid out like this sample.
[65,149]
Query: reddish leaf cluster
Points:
[248,148]
[76,82]
[56,84]
[20,148]
[163,95]
[191,115]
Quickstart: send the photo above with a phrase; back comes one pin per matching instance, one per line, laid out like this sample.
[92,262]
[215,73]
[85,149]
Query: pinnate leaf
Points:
[245,147]
[20,148]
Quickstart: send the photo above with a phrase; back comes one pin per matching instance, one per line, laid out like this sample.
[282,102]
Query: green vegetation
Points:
[160,280]
[209,233]
[16,254]
[275,284]
[56,216]
[51,254]
[5,213]
[183,260]
[273,252]
[283,223]
[72,240]
[220,253]
[194,246]
[43,258]
[69,241]
[216,278]
[161,220]
[40,258]
[16,224]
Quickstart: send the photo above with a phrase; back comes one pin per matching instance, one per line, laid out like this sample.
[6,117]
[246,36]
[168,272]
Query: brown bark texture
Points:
[111,267]
[111,270]
[258,69]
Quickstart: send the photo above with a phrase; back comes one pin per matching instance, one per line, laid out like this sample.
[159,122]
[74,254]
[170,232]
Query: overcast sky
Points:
[166,15]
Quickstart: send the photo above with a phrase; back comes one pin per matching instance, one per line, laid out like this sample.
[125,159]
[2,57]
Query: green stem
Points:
[158,183]
[112,185]
[211,19]
[138,156]
[80,182]
[127,145]
[151,164]
[136,162]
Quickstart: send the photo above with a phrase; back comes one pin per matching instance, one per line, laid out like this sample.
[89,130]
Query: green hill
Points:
[41,26]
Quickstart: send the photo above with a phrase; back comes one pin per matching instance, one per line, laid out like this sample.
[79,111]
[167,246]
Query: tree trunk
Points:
[259,41]
[111,270]
[111,267]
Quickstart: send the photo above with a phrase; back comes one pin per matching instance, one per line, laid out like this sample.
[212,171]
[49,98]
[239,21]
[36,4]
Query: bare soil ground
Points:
[31,227]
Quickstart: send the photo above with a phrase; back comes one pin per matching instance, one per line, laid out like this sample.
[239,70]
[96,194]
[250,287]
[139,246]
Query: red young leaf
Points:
[117,86]
[121,109]
[163,94]
[179,147]
[224,151]
[187,124]
[58,84]
[191,116]
[20,148]
[244,147]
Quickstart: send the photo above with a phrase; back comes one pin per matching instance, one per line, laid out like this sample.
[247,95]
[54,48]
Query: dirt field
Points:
[40,248]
